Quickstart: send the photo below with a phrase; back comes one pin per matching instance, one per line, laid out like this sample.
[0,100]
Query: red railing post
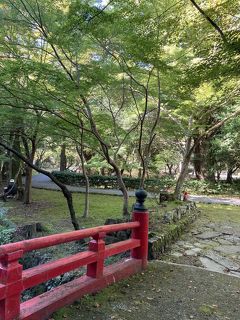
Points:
[95,270]
[140,214]
[11,283]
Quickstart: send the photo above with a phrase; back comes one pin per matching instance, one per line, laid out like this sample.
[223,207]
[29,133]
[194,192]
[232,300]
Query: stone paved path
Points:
[211,243]
[41,181]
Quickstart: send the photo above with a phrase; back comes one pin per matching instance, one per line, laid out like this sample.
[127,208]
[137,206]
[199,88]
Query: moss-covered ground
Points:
[50,209]
[163,292]
[219,213]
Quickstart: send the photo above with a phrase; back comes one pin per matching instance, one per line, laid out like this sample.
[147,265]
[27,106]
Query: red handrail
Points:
[13,280]
[49,241]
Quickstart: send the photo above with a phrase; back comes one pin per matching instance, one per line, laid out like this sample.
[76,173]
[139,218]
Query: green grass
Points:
[101,207]
[50,208]
[220,213]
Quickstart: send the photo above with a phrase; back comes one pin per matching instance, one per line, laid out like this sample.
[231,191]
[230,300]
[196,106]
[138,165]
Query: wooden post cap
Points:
[141,196]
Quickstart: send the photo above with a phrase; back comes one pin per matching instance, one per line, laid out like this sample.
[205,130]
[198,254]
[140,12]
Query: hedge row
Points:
[77,179]
[154,185]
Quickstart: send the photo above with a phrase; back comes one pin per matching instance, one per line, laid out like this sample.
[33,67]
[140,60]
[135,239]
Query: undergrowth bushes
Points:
[153,185]
[207,187]
[7,228]
[107,182]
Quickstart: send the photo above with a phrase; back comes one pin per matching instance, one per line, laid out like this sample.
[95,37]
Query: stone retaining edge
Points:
[159,243]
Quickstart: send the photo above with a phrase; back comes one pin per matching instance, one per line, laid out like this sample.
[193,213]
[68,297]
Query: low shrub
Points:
[6,235]
[7,228]
[107,182]
[208,187]
[152,185]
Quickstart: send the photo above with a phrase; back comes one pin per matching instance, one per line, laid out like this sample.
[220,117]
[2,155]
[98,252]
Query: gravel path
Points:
[213,200]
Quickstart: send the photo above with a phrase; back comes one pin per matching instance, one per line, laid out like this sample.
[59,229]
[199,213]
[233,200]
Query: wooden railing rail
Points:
[53,240]
[13,280]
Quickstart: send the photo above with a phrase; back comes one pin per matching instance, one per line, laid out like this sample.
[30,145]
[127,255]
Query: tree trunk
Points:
[105,150]
[144,172]
[125,195]
[67,194]
[229,176]
[28,186]
[184,169]
[20,188]
[6,171]
[123,188]
[130,173]
[86,202]
[17,169]
[218,175]
[139,173]
[198,161]
[170,167]
[181,178]
[63,158]
[16,162]
[28,179]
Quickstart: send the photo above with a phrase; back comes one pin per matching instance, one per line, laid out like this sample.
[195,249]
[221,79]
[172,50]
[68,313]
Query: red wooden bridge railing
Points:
[14,280]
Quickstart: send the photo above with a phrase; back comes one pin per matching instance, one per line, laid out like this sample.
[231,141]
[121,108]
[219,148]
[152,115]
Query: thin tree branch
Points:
[213,23]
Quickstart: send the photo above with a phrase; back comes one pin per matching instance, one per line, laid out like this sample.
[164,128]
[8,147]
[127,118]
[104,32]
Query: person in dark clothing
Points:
[11,190]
